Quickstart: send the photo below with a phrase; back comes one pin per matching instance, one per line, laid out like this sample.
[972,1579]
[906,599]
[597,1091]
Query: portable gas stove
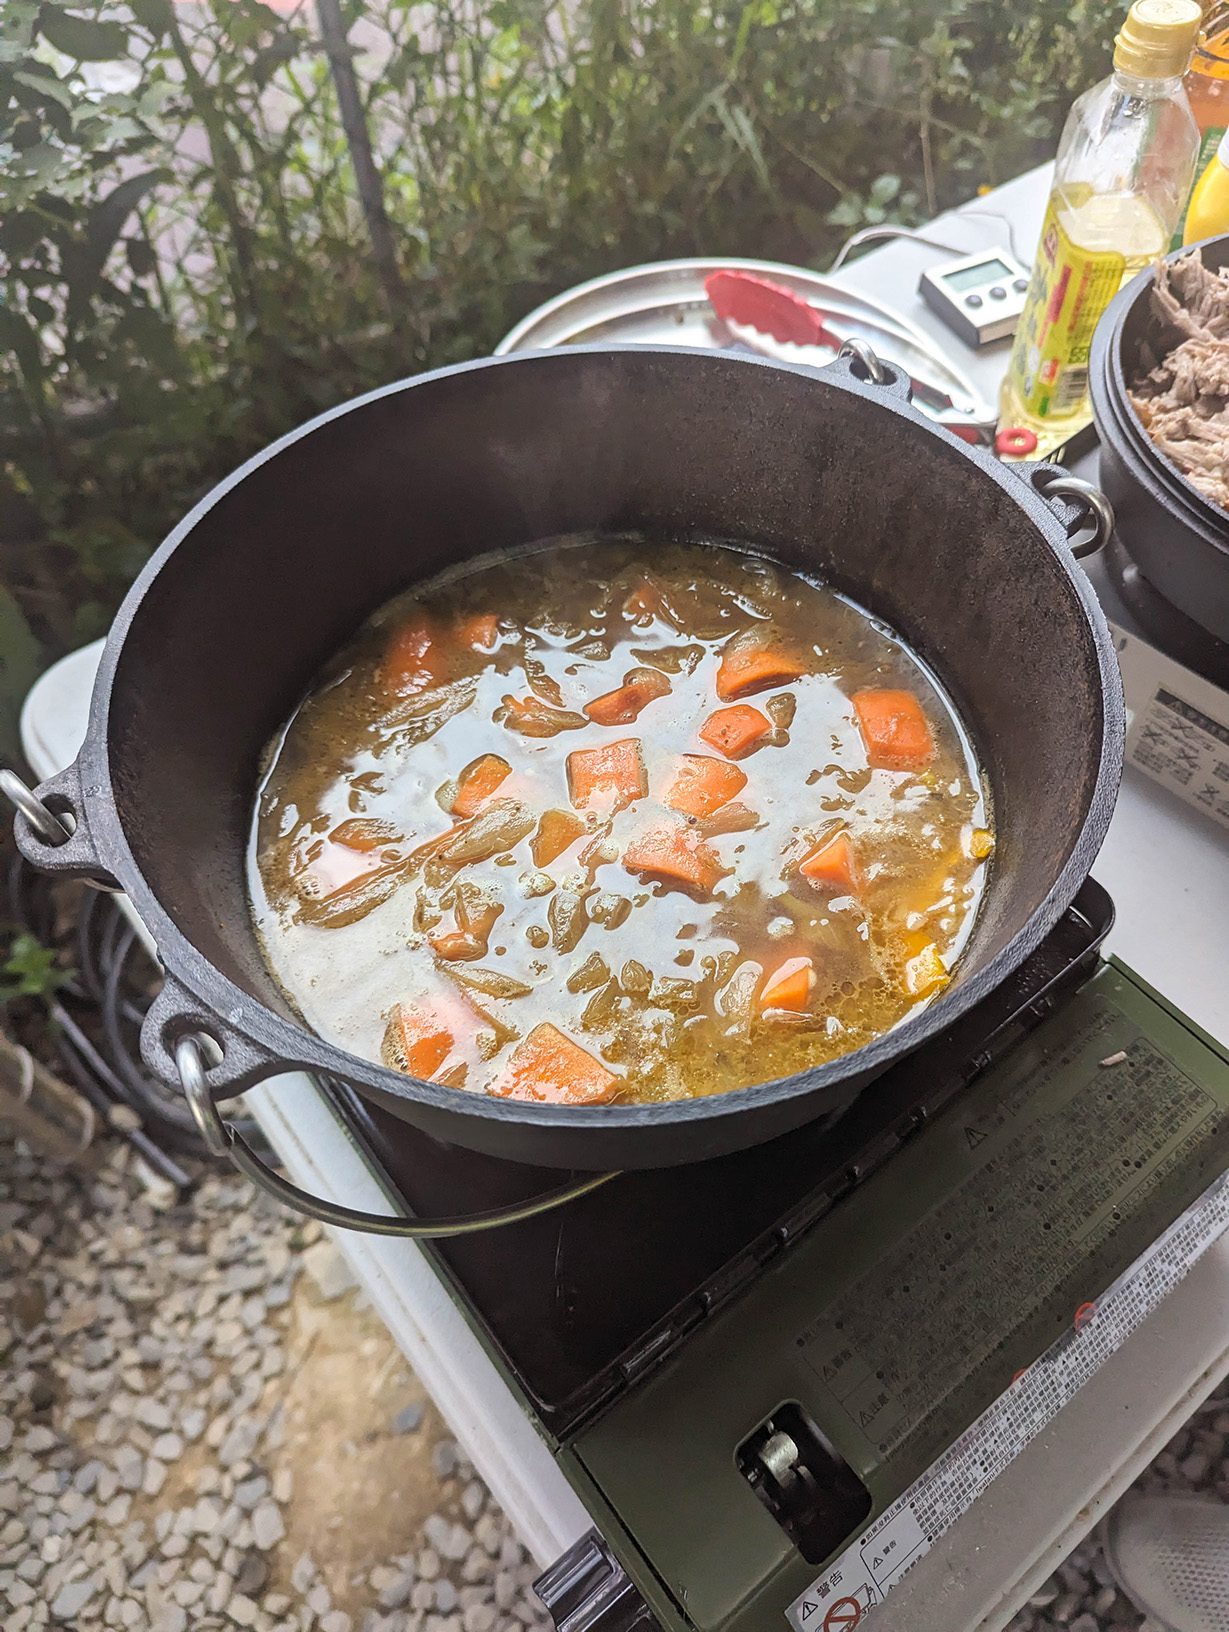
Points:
[764,1374]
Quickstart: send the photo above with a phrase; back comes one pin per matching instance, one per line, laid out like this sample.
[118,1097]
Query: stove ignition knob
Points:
[779,1457]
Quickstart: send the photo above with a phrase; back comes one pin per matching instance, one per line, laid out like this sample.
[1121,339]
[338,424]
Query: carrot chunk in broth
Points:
[479,632]
[607,778]
[426,1037]
[755,661]
[414,659]
[702,785]
[735,731]
[676,855]
[477,782]
[625,704]
[896,732]
[833,866]
[789,986]
[549,1068]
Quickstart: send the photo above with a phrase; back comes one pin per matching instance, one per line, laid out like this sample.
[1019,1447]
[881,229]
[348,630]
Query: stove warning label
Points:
[1185,748]
[840,1600]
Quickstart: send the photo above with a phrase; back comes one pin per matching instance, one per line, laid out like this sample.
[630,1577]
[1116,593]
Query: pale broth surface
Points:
[697,932]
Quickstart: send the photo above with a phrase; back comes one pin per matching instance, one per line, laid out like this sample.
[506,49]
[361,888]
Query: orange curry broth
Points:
[565,826]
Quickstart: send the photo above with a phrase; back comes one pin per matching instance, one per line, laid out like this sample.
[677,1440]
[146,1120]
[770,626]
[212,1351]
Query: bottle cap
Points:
[1157,39]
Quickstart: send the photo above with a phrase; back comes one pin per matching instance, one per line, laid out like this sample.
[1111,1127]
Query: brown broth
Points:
[659,983]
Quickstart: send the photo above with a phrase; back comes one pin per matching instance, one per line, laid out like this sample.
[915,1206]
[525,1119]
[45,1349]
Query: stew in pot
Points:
[603,821]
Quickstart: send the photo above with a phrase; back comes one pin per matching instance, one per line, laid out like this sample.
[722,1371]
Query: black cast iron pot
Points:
[274,570]
[1177,538]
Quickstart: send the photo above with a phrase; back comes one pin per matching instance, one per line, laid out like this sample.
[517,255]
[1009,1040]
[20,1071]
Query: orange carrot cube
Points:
[735,731]
[676,855]
[477,782]
[414,658]
[755,660]
[833,866]
[789,986]
[550,1069]
[608,777]
[479,632]
[702,785]
[896,732]
[426,1038]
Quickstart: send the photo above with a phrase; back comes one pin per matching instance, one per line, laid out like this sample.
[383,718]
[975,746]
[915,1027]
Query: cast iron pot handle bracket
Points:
[1084,510]
[50,827]
[195,1052]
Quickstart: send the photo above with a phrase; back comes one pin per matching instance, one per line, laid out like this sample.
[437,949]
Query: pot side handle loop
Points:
[861,362]
[51,829]
[1085,512]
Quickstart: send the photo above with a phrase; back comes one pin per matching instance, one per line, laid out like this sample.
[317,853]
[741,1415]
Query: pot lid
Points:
[665,303]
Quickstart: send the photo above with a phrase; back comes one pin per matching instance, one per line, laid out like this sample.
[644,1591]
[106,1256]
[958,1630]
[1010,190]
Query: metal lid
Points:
[664,303]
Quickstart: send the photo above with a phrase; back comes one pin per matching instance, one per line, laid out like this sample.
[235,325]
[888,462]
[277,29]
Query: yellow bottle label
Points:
[1070,289]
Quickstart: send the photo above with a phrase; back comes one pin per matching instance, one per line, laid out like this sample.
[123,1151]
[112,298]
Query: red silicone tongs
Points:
[745,297]
[772,309]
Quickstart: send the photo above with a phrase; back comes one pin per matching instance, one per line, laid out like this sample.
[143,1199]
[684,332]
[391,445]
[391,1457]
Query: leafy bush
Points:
[189,267]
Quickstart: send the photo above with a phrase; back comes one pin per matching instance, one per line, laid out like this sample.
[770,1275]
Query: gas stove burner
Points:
[1181,637]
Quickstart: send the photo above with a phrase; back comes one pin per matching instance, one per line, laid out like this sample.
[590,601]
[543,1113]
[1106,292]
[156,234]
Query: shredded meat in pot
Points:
[1182,397]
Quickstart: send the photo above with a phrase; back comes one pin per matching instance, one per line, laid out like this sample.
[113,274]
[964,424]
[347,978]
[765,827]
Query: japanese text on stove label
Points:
[1181,745]
[840,1599]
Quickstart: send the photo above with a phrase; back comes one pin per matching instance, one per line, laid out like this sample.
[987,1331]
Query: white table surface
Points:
[1167,868]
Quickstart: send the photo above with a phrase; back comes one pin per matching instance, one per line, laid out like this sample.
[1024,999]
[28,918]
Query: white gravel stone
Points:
[242,1609]
[268,1527]
[72,1598]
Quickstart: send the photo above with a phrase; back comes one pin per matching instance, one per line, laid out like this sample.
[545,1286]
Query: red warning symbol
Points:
[843,1615]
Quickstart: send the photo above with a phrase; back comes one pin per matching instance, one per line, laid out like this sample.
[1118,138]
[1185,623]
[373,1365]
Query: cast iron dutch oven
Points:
[265,579]
[1177,538]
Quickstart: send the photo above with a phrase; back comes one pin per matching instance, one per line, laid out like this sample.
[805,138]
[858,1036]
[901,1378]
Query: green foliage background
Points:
[185,270]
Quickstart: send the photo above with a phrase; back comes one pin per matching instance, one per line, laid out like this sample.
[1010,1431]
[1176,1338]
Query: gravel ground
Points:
[1081,1595]
[200,1428]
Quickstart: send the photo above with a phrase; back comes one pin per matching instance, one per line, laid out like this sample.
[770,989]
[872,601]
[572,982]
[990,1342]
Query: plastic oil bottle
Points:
[1121,179]
[1207,87]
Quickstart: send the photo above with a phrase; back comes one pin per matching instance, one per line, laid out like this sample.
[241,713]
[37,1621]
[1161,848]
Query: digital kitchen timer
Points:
[980,296]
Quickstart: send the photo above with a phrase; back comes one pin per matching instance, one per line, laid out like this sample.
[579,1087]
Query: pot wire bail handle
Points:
[49,827]
[225,1140]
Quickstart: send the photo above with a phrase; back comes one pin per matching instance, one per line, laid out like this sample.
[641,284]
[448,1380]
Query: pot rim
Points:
[291,1044]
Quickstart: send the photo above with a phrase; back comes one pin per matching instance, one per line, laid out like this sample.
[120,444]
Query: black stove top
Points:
[582,1300]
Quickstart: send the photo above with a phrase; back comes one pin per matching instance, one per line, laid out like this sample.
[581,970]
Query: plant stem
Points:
[225,165]
[366,175]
